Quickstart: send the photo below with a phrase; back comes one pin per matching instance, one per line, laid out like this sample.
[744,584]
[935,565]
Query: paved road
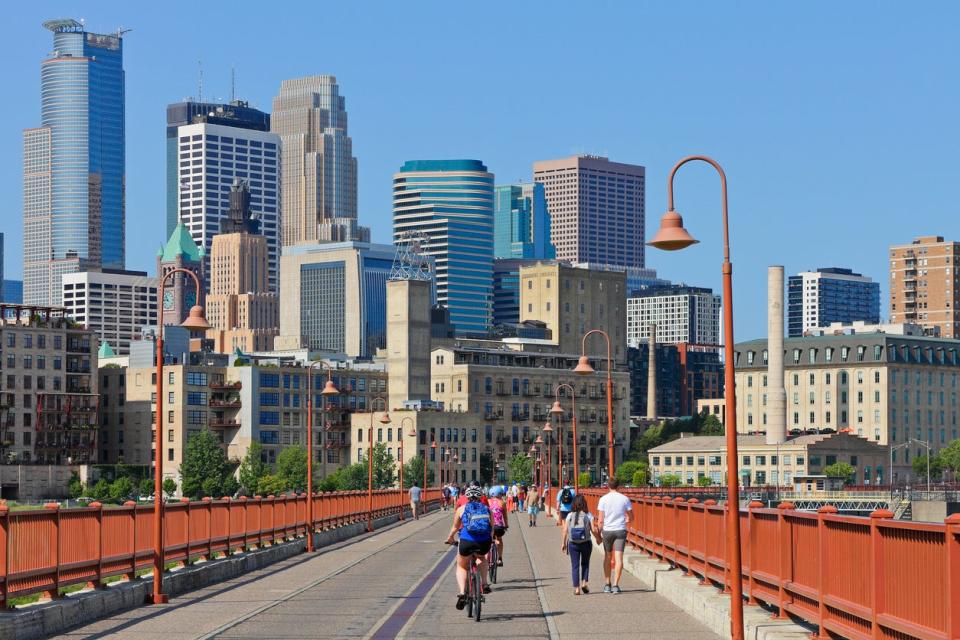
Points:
[399,583]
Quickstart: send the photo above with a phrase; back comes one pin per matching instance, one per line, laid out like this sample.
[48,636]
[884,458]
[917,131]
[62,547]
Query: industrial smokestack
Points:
[776,394]
[652,373]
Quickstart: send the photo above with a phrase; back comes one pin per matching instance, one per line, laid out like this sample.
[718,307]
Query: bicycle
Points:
[493,557]
[475,597]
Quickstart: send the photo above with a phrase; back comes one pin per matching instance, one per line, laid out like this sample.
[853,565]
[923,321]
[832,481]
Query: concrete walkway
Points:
[399,583]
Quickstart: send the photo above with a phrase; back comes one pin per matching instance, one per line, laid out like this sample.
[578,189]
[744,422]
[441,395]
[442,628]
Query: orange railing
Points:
[849,576]
[44,550]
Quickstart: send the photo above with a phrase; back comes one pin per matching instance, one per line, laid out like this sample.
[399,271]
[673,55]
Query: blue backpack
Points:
[476,521]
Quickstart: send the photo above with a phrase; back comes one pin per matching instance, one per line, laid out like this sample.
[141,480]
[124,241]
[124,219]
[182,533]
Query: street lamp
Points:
[384,419]
[413,433]
[583,368]
[670,237]
[547,429]
[194,322]
[922,443]
[436,464]
[329,389]
[558,411]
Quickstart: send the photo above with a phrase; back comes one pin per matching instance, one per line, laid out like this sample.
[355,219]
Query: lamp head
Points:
[671,236]
[433,445]
[330,389]
[196,321]
[583,366]
[547,428]
[412,433]
[539,440]
[385,418]
[556,409]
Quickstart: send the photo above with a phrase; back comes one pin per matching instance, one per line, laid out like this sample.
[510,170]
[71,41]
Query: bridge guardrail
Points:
[42,551]
[850,576]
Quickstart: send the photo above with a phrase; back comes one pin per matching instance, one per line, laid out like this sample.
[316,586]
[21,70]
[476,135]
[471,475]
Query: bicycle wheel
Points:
[470,590]
[477,594]
[492,562]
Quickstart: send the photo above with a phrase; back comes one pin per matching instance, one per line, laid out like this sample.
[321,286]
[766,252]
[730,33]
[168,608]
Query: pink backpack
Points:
[496,511]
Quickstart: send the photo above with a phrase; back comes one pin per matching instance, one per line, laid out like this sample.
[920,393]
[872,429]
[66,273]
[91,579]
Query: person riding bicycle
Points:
[498,516]
[473,522]
[462,500]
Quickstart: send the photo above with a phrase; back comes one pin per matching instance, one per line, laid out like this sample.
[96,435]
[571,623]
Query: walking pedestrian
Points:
[613,512]
[578,529]
[415,501]
[533,504]
[565,501]
[521,497]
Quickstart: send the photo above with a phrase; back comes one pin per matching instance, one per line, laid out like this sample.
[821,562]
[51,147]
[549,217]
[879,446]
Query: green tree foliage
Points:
[486,468]
[950,456]
[252,468]
[291,469]
[351,478]
[584,479]
[145,487]
[670,480]
[76,487]
[640,478]
[920,467]
[699,424]
[704,481]
[169,487]
[413,472]
[711,426]
[271,485]
[100,491]
[121,489]
[384,468]
[626,471]
[520,469]
[204,467]
[840,470]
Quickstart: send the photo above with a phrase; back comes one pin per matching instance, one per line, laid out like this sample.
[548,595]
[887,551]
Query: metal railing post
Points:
[783,557]
[952,591]
[709,502]
[876,569]
[822,544]
[752,543]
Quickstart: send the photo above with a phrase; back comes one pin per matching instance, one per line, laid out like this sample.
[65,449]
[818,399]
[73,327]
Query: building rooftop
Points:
[180,243]
[714,443]
[442,165]
[105,350]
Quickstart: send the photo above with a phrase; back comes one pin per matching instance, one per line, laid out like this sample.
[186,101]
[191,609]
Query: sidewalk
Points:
[637,613]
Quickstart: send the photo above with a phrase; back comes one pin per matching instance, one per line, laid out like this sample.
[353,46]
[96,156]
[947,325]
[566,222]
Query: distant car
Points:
[85,500]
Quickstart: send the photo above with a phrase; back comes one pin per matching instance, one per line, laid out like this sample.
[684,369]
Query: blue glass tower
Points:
[74,162]
[521,222]
[819,298]
[451,203]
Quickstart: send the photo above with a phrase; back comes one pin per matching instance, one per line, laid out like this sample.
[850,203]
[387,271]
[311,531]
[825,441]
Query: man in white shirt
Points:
[613,512]
[415,501]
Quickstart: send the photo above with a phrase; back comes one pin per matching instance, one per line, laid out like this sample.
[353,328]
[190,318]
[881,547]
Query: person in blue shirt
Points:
[565,501]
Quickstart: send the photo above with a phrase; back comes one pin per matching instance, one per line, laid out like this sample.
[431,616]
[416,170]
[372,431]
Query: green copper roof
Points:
[105,351]
[180,243]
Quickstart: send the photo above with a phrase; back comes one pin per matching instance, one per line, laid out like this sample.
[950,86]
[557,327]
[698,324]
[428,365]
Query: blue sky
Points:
[836,122]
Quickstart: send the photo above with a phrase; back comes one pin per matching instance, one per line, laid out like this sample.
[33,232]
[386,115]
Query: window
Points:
[198,379]
[196,398]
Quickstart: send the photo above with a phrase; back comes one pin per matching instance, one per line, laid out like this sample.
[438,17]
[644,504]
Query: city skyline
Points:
[838,94]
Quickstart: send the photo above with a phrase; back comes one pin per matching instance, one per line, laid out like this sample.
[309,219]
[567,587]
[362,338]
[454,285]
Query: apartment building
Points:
[682,314]
[48,405]
[888,388]
[925,284]
[506,393]
[114,303]
[695,457]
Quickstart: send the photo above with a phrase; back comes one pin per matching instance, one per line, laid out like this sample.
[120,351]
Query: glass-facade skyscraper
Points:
[451,203]
[73,163]
[521,222]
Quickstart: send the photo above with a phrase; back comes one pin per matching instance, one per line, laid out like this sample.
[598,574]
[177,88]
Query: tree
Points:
[252,468]
[520,469]
[486,468]
[704,481]
[639,478]
[292,469]
[920,467]
[204,466]
[413,473]
[584,479]
[76,487]
[384,468]
[627,469]
[670,480]
[100,491]
[711,426]
[840,470]
[950,457]
[145,487]
[121,488]
[169,487]
[271,485]
[351,478]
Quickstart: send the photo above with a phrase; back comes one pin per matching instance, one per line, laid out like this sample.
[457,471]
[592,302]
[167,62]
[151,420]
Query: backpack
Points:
[476,520]
[496,513]
[578,529]
[446,492]
[566,496]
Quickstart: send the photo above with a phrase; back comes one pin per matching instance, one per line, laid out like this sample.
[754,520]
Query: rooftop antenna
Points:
[233,84]
[200,81]
[121,31]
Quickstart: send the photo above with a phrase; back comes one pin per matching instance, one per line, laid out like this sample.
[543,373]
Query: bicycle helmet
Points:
[496,492]
[474,493]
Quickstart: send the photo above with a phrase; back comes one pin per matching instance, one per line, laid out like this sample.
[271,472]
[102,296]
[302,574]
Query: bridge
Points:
[237,568]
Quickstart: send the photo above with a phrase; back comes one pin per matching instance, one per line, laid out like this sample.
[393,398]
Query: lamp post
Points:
[547,429]
[413,434]
[456,461]
[922,443]
[384,419]
[583,368]
[558,411]
[671,237]
[194,322]
[539,442]
[329,389]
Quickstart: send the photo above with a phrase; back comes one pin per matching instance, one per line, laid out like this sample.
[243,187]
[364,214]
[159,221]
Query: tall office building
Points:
[242,310]
[822,297]
[73,163]
[521,222]
[682,314]
[211,156]
[451,202]
[596,209]
[1,268]
[925,284]
[13,291]
[115,304]
[237,114]
[506,291]
[334,297]
[319,172]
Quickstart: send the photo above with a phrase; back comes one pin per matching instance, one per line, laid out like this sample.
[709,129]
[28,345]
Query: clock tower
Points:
[180,252]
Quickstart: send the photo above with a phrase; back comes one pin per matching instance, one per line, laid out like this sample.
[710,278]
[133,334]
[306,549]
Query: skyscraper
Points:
[681,313]
[819,298]
[237,114]
[925,284]
[73,163]
[115,304]
[211,157]
[318,172]
[596,209]
[240,307]
[521,222]
[451,202]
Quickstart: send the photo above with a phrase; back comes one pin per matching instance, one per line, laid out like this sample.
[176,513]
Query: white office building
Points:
[682,314]
[114,303]
[210,157]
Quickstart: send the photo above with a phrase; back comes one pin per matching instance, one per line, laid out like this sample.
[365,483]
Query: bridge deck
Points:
[399,582]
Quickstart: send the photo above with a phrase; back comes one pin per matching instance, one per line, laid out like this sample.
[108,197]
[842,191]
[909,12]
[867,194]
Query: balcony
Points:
[221,385]
[223,423]
[492,416]
[336,444]
[504,440]
[227,403]
[519,417]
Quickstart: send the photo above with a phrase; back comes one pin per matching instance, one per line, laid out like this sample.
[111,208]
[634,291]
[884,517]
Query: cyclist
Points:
[462,500]
[472,520]
[498,515]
